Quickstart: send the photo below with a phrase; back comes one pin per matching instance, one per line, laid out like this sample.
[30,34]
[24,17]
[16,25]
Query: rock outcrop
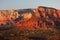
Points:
[45,18]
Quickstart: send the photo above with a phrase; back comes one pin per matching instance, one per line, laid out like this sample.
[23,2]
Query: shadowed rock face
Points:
[31,19]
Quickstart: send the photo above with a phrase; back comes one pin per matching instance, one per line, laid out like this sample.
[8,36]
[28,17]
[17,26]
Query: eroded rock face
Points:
[30,19]
[44,18]
[14,16]
[25,14]
[49,16]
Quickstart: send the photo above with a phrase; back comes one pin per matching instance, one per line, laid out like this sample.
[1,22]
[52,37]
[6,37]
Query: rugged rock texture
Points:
[45,18]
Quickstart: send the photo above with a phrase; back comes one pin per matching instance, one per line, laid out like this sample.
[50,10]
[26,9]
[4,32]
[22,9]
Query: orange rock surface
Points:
[43,18]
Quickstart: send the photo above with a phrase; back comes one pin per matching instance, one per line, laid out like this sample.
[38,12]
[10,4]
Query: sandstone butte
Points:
[45,18]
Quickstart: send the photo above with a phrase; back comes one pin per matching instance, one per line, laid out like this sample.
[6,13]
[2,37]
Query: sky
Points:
[22,4]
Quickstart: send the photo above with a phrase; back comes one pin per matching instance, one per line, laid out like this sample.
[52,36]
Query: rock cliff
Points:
[45,18]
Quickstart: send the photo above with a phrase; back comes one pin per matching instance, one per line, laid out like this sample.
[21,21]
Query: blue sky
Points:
[22,4]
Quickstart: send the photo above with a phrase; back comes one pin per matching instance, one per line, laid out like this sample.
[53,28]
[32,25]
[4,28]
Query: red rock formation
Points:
[43,18]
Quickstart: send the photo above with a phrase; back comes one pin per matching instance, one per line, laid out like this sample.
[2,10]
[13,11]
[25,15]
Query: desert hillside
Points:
[41,23]
[45,18]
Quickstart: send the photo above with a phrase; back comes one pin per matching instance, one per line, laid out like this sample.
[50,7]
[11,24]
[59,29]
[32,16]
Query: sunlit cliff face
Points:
[24,15]
[27,16]
[15,15]
[8,15]
[6,19]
